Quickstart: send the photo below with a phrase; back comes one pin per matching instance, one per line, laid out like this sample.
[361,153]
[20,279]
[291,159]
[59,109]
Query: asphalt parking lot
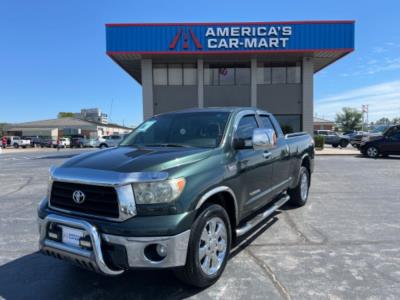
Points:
[345,244]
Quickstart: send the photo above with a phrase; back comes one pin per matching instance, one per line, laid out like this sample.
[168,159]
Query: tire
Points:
[343,143]
[299,195]
[16,146]
[335,145]
[197,272]
[372,152]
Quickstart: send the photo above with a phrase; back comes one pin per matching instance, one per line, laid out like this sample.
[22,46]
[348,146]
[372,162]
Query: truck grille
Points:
[99,200]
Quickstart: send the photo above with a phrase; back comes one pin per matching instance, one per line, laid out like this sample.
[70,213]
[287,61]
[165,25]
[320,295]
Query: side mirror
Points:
[263,138]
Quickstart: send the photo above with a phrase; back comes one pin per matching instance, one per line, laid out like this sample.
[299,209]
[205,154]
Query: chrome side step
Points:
[262,216]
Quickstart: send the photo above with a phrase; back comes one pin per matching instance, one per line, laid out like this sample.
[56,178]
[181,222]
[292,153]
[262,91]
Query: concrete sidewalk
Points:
[329,150]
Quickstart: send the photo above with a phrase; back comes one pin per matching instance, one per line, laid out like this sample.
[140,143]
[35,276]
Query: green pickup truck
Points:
[176,193]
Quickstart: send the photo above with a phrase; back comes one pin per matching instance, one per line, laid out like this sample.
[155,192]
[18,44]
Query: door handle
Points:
[267,155]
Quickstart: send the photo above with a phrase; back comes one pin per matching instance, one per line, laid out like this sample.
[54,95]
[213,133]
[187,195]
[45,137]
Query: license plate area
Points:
[71,236]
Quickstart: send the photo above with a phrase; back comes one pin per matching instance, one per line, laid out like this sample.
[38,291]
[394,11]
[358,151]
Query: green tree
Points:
[396,120]
[64,114]
[2,128]
[383,121]
[349,119]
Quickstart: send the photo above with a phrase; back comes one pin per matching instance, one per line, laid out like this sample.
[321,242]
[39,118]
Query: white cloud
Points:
[383,100]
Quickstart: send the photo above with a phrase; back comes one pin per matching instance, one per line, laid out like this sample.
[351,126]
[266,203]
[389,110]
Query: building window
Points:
[283,73]
[226,75]
[189,74]
[242,76]
[160,75]
[174,74]
[289,123]
[278,75]
[294,73]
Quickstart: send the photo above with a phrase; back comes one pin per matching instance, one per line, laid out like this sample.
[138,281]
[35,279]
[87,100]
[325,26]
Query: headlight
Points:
[159,191]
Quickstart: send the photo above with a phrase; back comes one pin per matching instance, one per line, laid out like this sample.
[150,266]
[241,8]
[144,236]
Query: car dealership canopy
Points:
[269,65]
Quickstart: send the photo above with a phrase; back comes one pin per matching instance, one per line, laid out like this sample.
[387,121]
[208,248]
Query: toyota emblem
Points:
[78,197]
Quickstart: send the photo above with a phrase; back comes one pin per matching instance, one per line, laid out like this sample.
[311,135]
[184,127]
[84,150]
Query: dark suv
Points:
[386,144]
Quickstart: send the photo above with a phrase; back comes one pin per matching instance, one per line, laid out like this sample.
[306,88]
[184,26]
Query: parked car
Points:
[64,142]
[109,141]
[46,142]
[77,142]
[16,142]
[388,143]
[358,138]
[333,138]
[89,143]
[176,193]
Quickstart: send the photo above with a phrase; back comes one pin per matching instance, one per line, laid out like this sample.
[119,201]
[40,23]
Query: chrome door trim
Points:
[271,189]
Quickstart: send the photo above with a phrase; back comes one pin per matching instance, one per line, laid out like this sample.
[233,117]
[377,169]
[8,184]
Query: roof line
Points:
[348,50]
[232,23]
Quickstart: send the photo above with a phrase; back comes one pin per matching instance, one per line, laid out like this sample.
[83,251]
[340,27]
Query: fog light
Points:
[161,250]
[85,242]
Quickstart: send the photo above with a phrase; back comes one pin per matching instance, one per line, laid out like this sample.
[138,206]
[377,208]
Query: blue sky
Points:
[52,53]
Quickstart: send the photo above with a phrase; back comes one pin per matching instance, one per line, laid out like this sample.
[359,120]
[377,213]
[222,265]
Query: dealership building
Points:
[265,65]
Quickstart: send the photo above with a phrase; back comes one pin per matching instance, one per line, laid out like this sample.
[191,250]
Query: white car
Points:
[64,143]
[106,141]
[17,142]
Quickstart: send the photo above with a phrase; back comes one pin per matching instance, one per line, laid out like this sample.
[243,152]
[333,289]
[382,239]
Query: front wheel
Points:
[372,152]
[299,195]
[343,143]
[335,145]
[209,247]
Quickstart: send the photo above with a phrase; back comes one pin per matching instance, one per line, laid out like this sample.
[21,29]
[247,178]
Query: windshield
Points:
[204,129]
[380,129]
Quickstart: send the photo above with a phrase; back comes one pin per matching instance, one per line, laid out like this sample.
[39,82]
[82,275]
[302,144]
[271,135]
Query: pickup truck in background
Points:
[387,143]
[16,142]
[176,193]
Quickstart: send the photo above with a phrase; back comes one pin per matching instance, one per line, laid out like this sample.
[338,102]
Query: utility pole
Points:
[364,110]
[112,102]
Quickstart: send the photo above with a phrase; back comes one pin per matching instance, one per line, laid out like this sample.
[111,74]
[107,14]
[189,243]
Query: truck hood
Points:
[131,159]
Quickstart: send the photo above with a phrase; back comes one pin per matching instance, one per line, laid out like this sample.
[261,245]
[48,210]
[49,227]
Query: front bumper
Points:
[95,259]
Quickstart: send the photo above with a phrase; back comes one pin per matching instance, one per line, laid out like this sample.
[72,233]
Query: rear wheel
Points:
[372,152]
[299,195]
[335,145]
[103,146]
[209,247]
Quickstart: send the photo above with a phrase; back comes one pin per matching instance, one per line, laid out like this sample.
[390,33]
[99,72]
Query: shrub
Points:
[319,141]
[287,129]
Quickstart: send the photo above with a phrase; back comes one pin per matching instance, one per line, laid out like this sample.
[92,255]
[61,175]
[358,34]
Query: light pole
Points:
[364,110]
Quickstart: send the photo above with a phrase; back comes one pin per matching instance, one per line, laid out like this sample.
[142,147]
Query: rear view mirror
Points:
[263,138]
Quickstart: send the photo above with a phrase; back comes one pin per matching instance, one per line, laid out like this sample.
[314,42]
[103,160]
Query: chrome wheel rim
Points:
[304,186]
[372,152]
[212,246]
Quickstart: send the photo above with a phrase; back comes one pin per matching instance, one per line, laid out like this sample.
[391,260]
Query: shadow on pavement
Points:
[390,157]
[42,277]
[36,276]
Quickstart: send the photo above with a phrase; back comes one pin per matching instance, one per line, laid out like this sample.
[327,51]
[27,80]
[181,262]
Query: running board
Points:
[260,217]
